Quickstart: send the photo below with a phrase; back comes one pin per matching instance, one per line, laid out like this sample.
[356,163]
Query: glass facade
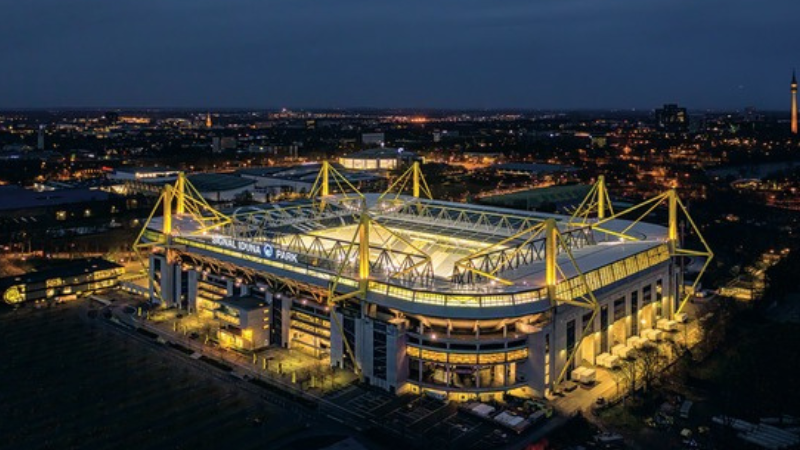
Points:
[570,288]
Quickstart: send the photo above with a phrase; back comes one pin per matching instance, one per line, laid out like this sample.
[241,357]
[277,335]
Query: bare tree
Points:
[628,373]
[642,370]
[652,360]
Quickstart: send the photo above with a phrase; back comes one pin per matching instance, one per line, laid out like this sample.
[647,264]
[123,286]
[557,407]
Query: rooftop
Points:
[213,182]
[304,172]
[17,198]
[244,303]
[381,153]
[533,168]
[74,268]
[153,169]
[535,198]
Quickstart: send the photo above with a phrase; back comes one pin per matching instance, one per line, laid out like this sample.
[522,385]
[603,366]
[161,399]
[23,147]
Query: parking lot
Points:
[427,421]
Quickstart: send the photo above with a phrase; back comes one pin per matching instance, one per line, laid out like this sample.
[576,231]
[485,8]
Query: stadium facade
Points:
[415,294]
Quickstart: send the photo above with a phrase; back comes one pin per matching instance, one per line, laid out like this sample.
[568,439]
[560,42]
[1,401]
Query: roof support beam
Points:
[325,178]
[180,193]
[550,255]
[601,197]
[416,179]
[363,248]
[673,218]
[166,227]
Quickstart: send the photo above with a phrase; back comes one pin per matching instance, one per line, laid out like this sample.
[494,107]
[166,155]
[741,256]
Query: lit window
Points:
[61,215]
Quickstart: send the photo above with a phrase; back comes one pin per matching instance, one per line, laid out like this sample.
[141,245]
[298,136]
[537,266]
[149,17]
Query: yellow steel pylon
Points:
[329,175]
[596,201]
[413,175]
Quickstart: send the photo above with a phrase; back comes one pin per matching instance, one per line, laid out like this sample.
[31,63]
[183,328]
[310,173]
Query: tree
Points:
[628,373]
[644,369]
[652,361]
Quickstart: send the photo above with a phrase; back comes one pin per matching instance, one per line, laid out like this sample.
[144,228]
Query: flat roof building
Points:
[381,158]
[79,278]
[531,168]
[143,174]
[220,187]
[16,198]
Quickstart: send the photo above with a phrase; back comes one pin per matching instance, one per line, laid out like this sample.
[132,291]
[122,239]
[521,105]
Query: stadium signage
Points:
[262,250]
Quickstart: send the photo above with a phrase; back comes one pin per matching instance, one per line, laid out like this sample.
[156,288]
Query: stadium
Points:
[414,294]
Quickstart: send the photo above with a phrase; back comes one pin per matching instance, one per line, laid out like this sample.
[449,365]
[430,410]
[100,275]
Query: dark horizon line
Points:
[207,109]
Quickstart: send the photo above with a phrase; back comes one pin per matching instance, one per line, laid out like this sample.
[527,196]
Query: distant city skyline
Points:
[560,55]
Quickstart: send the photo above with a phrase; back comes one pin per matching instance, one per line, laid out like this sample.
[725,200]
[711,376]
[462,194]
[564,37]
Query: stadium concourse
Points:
[418,295]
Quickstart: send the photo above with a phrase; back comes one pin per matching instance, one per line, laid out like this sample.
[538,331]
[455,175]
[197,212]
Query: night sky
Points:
[565,54]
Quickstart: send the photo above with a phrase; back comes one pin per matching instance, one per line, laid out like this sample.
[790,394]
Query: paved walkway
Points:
[584,397]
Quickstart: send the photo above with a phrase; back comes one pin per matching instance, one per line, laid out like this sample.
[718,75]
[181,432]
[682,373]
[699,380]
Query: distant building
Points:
[218,187]
[382,158]
[439,136]
[40,138]
[751,114]
[483,157]
[61,205]
[373,138]
[143,174]
[222,143]
[17,148]
[549,199]
[298,178]
[599,141]
[793,88]
[672,118]
[111,117]
[80,278]
[531,168]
